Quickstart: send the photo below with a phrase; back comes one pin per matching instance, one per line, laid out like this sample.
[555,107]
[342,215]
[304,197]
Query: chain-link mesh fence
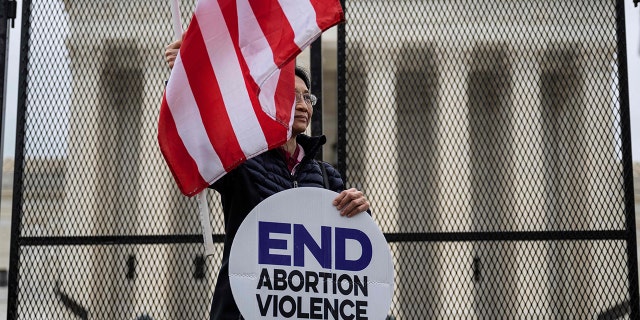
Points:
[488,136]
[496,122]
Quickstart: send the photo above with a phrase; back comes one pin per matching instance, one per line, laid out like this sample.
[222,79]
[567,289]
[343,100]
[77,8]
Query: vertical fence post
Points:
[316,89]
[4,58]
[342,105]
[16,216]
[632,258]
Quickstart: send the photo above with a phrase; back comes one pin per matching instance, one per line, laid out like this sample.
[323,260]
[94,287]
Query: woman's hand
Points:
[171,52]
[351,202]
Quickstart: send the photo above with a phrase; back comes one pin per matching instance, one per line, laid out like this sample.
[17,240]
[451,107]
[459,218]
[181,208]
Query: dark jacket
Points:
[250,183]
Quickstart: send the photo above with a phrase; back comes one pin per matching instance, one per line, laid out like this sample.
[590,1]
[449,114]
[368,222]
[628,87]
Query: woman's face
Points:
[303,111]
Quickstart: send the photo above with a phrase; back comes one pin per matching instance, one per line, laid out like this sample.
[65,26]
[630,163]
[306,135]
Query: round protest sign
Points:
[295,257]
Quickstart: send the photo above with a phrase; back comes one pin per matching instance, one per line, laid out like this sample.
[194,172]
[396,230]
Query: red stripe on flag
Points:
[183,167]
[230,13]
[275,132]
[276,29]
[229,10]
[285,97]
[204,85]
[328,13]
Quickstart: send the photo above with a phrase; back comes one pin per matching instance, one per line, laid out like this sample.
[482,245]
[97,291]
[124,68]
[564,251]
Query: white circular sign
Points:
[295,257]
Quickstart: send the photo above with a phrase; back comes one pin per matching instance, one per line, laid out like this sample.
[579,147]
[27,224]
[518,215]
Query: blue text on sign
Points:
[321,252]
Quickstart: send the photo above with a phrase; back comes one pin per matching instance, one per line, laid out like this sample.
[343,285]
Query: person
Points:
[292,165]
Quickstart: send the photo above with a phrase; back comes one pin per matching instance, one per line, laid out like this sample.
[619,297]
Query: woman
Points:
[290,166]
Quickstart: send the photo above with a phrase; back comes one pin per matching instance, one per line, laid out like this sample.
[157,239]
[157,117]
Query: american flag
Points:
[231,95]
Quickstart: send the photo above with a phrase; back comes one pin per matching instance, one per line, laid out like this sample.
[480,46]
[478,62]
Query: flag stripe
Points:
[302,17]
[204,85]
[227,65]
[187,174]
[285,95]
[255,52]
[254,46]
[190,128]
[278,90]
[272,133]
[328,13]
[276,29]
[265,73]
[275,89]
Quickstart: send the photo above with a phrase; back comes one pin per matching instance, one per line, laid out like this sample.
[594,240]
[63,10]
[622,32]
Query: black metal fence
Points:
[491,137]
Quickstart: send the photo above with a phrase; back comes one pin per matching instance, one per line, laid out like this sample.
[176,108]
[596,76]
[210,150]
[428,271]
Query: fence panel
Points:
[492,140]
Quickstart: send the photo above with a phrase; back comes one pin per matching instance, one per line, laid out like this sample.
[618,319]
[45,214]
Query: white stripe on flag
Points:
[302,18]
[186,117]
[255,47]
[268,92]
[226,67]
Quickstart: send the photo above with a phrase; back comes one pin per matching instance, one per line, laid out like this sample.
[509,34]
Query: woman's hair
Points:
[302,74]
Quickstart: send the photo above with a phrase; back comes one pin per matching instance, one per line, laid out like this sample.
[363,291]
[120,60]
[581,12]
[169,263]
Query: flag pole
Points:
[201,197]
[207,232]
[175,19]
